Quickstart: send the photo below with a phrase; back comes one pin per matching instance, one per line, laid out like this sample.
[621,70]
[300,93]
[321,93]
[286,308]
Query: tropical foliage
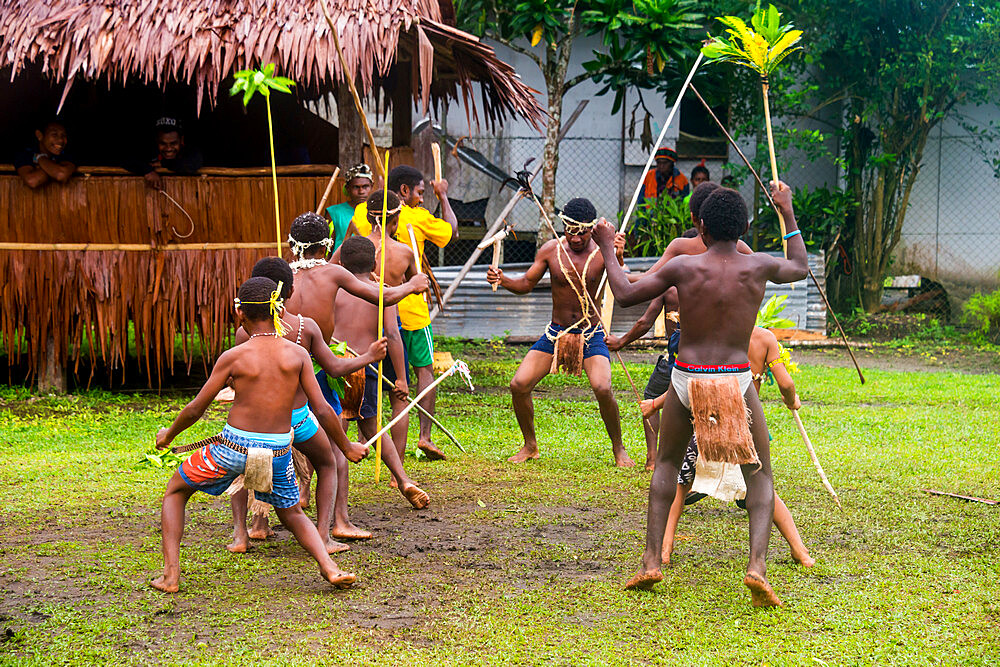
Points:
[263,81]
[641,43]
[760,46]
[656,224]
[769,315]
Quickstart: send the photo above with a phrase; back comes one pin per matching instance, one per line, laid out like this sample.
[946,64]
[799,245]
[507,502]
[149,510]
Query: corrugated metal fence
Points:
[476,311]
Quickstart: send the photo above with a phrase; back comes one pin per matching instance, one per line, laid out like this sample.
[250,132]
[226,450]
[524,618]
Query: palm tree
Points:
[760,46]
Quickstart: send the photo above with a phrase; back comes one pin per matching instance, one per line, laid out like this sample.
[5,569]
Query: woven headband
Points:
[275,303]
[299,247]
[571,224]
[393,211]
[358,171]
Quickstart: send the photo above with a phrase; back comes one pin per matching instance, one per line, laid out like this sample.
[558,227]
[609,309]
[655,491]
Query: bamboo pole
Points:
[326,193]
[381,313]
[419,407]
[349,77]
[384,429]
[815,460]
[413,246]
[495,264]
[274,173]
[774,162]
[767,194]
[608,304]
[501,219]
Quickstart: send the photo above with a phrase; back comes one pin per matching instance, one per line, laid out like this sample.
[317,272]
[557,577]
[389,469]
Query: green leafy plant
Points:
[657,224]
[157,459]
[826,211]
[983,312]
[263,81]
[761,48]
[769,315]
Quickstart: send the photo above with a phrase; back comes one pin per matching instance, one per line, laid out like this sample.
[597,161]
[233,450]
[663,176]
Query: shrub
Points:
[983,312]
[657,223]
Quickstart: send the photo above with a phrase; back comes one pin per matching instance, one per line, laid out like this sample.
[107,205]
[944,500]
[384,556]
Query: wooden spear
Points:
[815,460]
[767,194]
[326,193]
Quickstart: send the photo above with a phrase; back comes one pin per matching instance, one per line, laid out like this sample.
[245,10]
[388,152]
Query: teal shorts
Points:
[419,346]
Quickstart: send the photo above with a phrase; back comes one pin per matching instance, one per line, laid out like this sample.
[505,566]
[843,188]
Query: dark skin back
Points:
[311,339]
[718,290]
[400,264]
[566,309]
[316,293]
[266,373]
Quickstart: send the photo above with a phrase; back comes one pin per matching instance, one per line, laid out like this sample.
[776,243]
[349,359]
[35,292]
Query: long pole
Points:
[420,408]
[381,312]
[326,193]
[774,161]
[815,460]
[502,218]
[349,77]
[767,194]
[378,436]
[274,174]
[609,298]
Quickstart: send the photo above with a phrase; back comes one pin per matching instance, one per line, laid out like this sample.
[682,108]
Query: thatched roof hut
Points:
[203,43]
[99,264]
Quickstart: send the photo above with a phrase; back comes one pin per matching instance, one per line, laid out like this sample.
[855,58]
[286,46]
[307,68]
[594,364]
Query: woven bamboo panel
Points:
[86,301]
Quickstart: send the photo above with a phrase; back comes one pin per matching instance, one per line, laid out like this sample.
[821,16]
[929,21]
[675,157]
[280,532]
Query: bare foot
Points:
[431,450]
[349,532]
[335,547]
[644,581]
[304,496]
[161,583]
[393,484]
[239,544]
[339,578]
[650,465]
[258,533]
[622,459]
[805,560]
[417,496]
[665,558]
[526,454]
[760,591]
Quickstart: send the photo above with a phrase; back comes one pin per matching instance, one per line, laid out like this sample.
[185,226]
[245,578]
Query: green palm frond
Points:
[760,46]
[251,81]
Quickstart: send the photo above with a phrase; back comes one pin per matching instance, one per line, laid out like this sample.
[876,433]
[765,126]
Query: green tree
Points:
[892,70]
[642,41]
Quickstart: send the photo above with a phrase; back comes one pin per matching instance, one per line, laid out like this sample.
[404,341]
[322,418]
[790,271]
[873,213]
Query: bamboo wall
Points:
[61,298]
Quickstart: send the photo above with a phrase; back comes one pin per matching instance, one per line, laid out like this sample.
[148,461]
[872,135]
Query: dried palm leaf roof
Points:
[201,43]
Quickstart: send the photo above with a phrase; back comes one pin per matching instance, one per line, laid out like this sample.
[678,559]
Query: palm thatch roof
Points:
[202,43]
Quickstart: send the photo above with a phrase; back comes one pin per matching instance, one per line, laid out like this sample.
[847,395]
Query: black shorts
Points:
[659,381]
[369,401]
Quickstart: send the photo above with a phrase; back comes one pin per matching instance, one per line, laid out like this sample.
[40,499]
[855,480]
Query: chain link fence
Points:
[950,245]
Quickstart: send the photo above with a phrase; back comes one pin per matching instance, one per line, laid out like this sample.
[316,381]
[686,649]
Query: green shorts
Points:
[419,346]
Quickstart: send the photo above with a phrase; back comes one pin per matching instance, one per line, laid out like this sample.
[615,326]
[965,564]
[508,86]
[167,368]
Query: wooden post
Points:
[51,373]
[350,134]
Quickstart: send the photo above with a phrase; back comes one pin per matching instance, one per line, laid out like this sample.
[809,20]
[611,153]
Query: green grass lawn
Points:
[519,564]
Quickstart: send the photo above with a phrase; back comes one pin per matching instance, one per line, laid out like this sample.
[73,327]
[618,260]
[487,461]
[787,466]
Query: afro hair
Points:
[357,255]
[699,196]
[580,209]
[254,296]
[310,228]
[724,214]
[277,270]
[404,175]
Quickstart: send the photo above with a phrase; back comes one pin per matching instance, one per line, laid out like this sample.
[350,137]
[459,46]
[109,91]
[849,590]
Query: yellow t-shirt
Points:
[413,312]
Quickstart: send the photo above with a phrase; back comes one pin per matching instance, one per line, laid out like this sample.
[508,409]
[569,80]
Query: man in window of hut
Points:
[172,154]
[357,186]
[47,161]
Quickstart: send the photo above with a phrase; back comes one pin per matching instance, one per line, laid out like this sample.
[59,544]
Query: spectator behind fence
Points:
[172,154]
[47,160]
[665,177]
[699,175]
